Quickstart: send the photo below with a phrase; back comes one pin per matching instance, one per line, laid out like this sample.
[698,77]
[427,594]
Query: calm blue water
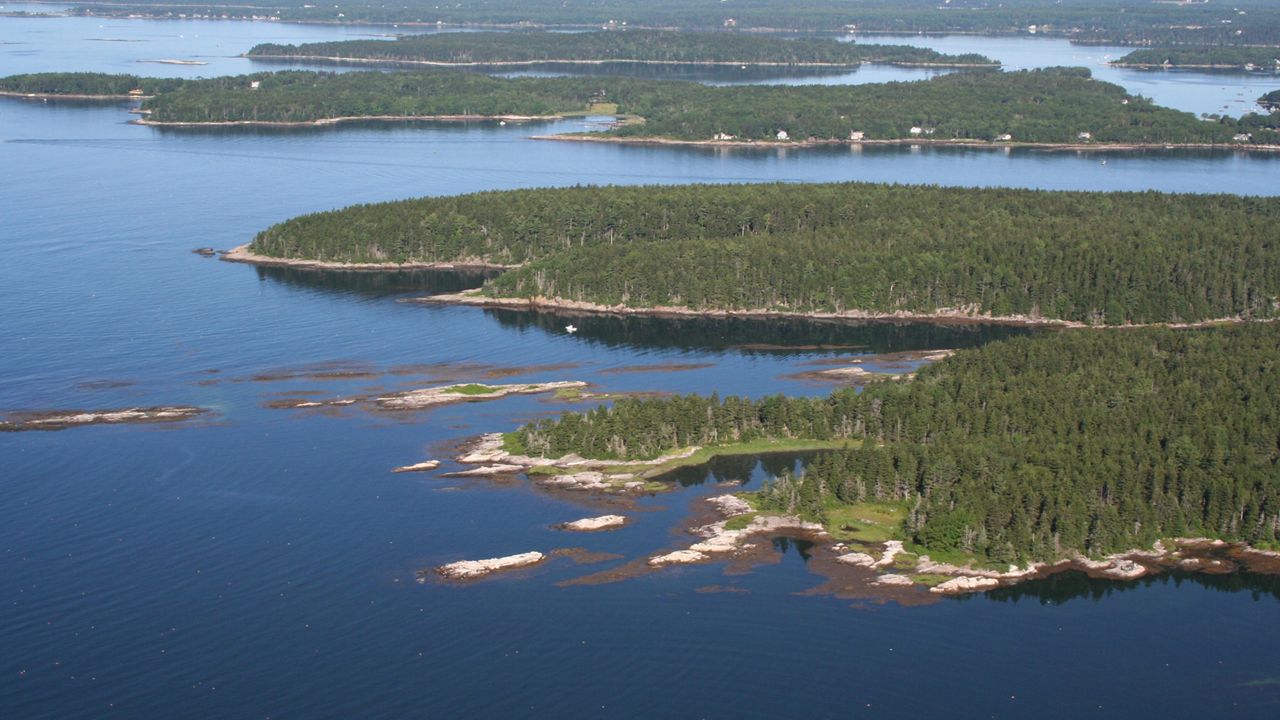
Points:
[260,562]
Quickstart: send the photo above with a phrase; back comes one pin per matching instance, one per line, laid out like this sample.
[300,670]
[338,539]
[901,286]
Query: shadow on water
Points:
[750,470]
[748,335]
[377,283]
[1072,585]
[784,545]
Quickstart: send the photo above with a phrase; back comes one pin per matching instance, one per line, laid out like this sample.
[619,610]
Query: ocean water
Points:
[260,562]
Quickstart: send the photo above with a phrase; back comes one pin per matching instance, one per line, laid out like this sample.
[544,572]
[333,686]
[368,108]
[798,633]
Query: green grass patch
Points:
[929,579]
[512,443]
[739,522]
[866,522]
[569,393]
[472,389]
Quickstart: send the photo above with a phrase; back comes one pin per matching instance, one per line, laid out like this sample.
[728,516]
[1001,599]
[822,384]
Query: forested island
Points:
[1270,101]
[613,46]
[1036,448]
[1053,107]
[1211,57]
[1128,22]
[1113,258]
[86,86]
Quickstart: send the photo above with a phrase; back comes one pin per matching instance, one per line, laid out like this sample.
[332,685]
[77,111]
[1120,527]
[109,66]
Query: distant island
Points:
[1270,101]
[1079,447]
[1056,107]
[85,86]
[831,250]
[1111,22]
[1204,58]
[496,49]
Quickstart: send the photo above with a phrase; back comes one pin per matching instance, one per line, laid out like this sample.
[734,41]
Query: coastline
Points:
[943,315]
[241,254]
[605,61]
[71,96]
[981,144]
[1194,66]
[323,122]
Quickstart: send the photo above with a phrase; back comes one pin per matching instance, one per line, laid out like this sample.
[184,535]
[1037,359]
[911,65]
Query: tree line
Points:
[1262,58]
[1131,22]
[1090,257]
[1056,105]
[1025,448]
[86,83]
[615,45]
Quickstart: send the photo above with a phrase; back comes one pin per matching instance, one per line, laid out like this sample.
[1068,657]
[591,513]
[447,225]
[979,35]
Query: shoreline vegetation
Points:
[1132,22]
[243,254]
[819,250]
[656,47]
[1052,108]
[958,479]
[940,316]
[1251,59]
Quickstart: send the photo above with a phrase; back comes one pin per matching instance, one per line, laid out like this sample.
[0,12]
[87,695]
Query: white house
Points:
[724,136]
[255,84]
[1242,137]
[857,135]
[916,130]
[1085,136]
[782,135]
[1006,137]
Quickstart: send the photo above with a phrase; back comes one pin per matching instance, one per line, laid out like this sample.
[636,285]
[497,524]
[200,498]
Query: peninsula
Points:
[1203,58]
[1045,450]
[85,86]
[1052,108]
[498,49]
[836,250]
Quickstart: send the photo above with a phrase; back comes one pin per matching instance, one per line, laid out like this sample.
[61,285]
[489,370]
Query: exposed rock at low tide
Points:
[594,524]
[964,584]
[63,419]
[429,397]
[486,471]
[730,505]
[679,557]
[471,569]
[418,467]
[892,580]
[857,559]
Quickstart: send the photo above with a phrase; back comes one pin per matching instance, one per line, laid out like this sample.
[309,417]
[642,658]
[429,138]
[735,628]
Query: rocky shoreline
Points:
[71,96]
[488,457]
[324,122]
[606,61]
[941,316]
[242,254]
[978,144]
[893,567]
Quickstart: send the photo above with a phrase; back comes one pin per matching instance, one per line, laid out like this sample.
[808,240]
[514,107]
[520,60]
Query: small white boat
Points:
[570,329]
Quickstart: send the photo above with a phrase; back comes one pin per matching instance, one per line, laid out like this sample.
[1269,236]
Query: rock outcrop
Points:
[471,569]
[594,524]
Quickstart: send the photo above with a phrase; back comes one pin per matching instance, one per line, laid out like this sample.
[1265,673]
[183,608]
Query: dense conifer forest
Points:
[85,83]
[1259,58]
[614,45]
[1130,22]
[1089,257]
[1055,106]
[1027,448]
